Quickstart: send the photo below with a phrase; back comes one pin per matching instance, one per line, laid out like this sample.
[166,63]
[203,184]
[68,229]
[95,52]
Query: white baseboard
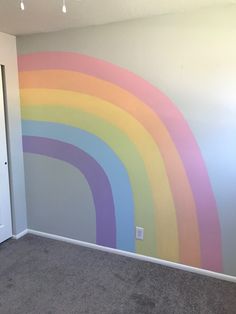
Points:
[20,235]
[136,256]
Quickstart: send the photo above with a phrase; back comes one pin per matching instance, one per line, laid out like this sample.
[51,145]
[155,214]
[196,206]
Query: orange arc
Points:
[184,202]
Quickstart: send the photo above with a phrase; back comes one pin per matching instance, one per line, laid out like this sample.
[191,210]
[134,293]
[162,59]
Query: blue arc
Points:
[111,164]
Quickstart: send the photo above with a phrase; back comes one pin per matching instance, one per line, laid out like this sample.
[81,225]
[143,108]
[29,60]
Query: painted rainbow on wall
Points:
[134,148]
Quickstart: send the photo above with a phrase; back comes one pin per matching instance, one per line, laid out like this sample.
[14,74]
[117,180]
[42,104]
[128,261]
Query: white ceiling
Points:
[45,15]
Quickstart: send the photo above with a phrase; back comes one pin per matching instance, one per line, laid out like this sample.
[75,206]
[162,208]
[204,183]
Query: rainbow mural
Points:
[134,148]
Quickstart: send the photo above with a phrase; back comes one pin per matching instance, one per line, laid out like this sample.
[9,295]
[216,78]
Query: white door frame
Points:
[5,201]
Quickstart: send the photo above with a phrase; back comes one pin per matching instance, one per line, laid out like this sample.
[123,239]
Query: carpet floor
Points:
[39,275]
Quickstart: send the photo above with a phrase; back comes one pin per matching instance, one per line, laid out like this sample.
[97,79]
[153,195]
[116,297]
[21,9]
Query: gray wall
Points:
[51,204]
[191,58]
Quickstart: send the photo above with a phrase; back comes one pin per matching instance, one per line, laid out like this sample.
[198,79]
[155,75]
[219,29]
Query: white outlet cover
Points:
[139,233]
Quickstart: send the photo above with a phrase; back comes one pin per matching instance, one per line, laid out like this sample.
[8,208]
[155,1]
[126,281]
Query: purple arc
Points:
[95,176]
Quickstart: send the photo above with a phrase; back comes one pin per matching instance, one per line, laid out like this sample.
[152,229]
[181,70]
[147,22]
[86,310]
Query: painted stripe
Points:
[144,207]
[167,231]
[173,120]
[97,180]
[112,166]
[189,239]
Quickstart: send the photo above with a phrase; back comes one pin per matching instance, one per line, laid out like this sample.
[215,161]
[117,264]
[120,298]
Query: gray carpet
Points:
[39,275]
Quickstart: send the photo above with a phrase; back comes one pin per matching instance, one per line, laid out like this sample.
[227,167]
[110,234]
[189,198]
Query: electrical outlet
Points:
[139,233]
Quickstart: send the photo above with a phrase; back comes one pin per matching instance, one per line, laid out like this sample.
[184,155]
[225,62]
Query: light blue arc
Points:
[111,164]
